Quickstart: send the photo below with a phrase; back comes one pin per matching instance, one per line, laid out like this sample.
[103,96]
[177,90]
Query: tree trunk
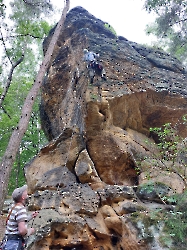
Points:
[18,133]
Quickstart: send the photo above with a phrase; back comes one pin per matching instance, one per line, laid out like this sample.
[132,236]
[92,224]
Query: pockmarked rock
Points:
[101,182]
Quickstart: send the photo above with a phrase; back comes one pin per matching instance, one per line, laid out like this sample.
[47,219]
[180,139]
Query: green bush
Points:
[109,27]
[172,148]
[176,223]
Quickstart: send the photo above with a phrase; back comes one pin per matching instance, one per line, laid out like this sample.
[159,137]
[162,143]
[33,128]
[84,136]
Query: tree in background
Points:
[21,33]
[170,26]
[22,30]
[20,130]
[34,137]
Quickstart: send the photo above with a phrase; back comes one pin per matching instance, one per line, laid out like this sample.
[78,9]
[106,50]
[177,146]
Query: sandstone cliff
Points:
[100,178]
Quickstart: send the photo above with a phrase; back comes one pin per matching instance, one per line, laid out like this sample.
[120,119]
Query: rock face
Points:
[90,179]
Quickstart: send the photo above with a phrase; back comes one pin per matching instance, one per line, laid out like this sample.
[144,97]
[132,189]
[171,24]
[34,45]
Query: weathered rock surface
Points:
[91,177]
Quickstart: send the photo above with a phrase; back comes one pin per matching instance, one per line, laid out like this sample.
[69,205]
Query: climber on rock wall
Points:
[93,66]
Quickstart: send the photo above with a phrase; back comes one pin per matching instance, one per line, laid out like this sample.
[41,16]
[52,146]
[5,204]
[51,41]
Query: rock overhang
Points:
[99,132]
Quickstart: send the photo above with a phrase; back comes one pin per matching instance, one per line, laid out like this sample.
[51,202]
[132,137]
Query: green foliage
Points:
[31,143]
[33,29]
[176,222]
[172,223]
[94,96]
[170,26]
[173,148]
[145,221]
[168,141]
[34,138]
[24,25]
[23,34]
[149,187]
[109,27]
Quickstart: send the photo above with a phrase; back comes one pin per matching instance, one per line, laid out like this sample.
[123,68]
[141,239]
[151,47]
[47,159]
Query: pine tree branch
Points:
[9,79]
[2,39]
[24,35]
[5,112]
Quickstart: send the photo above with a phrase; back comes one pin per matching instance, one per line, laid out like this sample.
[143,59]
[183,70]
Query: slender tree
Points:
[22,31]
[16,137]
